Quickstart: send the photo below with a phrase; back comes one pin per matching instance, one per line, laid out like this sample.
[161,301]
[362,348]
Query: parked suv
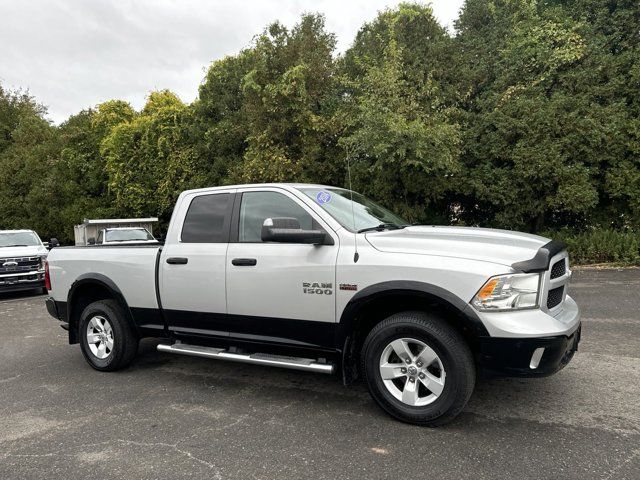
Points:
[22,255]
[323,279]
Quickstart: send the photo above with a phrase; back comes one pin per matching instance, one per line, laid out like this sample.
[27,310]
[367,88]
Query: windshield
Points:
[128,235]
[19,239]
[337,203]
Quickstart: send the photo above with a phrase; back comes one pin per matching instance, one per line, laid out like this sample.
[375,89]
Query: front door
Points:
[279,292]
[193,262]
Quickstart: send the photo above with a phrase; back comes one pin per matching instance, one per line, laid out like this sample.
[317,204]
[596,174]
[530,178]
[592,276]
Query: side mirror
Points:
[287,230]
[53,243]
[91,241]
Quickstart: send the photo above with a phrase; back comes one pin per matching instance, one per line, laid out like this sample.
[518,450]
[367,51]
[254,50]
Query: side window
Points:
[258,206]
[207,219]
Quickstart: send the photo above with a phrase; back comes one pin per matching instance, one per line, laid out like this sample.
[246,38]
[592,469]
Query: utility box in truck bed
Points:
[89,229]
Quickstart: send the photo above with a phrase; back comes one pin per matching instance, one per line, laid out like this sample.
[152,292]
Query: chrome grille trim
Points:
[23,264]
[20,278]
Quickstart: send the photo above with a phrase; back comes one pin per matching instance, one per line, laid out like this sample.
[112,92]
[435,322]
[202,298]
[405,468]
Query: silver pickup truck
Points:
[323,279]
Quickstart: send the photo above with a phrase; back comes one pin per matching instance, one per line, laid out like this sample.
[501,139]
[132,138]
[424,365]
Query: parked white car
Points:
[323,279]
[22,255]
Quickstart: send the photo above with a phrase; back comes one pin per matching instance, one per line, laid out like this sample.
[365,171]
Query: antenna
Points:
[356,255]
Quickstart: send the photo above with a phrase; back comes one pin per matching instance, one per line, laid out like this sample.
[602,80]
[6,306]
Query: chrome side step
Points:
[294,363]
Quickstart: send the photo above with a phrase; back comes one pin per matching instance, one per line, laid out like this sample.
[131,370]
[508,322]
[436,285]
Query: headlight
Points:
[509,292]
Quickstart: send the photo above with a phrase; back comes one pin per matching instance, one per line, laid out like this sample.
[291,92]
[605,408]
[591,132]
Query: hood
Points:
[484,244]
[12,252]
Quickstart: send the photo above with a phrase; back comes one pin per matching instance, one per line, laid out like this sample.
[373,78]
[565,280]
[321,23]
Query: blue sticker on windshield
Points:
[323,197]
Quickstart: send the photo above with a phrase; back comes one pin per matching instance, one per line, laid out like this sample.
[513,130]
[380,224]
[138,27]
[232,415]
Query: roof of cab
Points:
[257,185]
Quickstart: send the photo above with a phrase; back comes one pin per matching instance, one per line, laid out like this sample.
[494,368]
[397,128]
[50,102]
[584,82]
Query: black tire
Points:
[453,352]
[125,341]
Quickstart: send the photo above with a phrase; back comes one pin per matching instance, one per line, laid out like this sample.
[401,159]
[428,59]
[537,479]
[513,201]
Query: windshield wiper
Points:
[15,245]
[381,227]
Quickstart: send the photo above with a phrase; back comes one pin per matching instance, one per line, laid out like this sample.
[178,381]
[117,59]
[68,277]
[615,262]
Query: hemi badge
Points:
[348,286]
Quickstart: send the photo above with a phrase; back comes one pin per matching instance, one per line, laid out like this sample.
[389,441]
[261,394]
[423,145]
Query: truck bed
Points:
[131,267]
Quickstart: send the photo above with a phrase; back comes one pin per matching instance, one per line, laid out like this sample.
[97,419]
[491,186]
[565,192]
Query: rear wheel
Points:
[107,340]
[418,368]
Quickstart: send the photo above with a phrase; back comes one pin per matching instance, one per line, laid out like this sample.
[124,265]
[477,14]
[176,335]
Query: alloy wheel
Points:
[412,372]
[100,337]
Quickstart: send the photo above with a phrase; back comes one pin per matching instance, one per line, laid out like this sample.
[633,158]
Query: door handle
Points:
[177,261]
[244,262]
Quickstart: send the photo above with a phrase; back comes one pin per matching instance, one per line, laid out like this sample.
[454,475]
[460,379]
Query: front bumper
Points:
[514,357]
[516,336]
[534,322]
[18,282]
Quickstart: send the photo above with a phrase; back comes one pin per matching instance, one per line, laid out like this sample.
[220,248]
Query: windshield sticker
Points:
[323,197]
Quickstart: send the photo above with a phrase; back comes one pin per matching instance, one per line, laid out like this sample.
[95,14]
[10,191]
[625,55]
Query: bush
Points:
[601,246]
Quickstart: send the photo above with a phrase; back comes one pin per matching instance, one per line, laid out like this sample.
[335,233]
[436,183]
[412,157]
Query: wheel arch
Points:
[89,288]
[375,303]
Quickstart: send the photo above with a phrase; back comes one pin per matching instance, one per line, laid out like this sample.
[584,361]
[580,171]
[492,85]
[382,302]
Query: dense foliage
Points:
[526,117]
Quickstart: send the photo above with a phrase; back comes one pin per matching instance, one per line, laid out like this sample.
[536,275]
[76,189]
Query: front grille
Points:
[18,279]
[559,269]
[554,298]
[19,264]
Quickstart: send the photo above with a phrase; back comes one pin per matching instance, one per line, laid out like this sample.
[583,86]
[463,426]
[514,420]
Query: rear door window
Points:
[207,220]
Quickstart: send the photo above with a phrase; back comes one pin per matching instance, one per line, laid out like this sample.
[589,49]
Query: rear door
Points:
[280,292]
[193,262]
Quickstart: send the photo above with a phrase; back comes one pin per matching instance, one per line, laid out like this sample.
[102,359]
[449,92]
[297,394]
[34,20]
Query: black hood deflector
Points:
[540,262]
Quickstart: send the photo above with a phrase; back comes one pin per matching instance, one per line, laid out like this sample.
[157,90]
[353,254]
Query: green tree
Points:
[612,72]
[537,135]
[398,114]
[220,127]
[268,111]
[527,118]
[149,158]
[28,149]
[78,179]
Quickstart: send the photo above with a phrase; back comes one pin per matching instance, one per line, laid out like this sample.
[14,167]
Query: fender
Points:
[103,281]
[420,289]
[344,337]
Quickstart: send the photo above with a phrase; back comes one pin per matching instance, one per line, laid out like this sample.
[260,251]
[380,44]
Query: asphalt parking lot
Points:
[182,417]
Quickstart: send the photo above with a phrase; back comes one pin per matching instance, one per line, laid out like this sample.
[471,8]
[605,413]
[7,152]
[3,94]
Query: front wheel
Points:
[107,340]
[418,368]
